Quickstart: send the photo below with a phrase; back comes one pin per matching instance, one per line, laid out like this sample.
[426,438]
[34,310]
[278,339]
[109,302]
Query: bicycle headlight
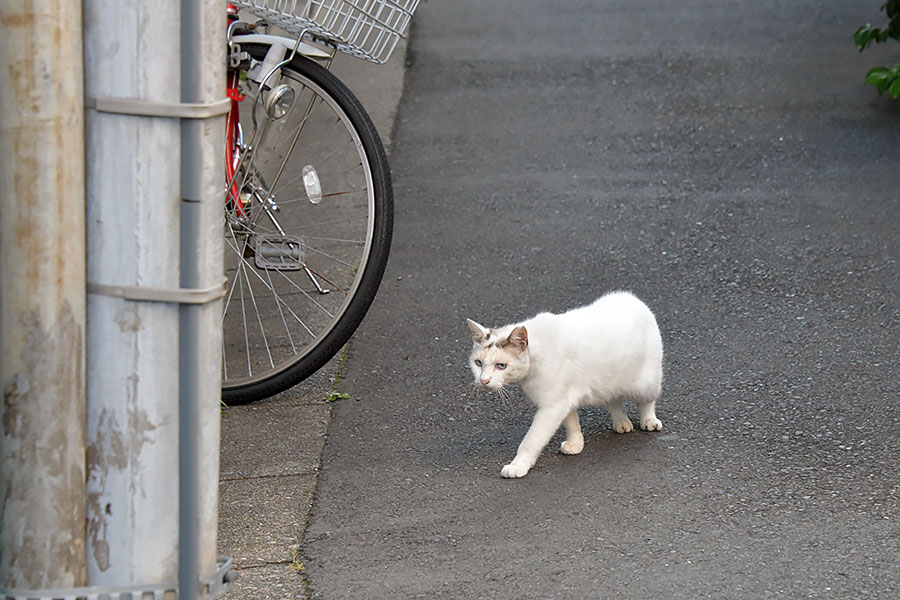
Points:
[279,101]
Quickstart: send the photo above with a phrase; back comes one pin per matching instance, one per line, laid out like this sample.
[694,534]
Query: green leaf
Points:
[864,36]
[877,75]
[894,90]
[335,396]
[885,80]
[892,8]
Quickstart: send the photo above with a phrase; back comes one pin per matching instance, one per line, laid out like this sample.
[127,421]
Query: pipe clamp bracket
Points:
[147,108]
[152,294]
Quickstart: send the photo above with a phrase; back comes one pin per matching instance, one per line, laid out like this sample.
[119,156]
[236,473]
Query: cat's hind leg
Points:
[647,411]
[646,394]
[574,443]
[621,422]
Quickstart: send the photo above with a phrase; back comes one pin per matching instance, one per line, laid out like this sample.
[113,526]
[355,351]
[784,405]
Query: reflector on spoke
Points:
[312,184]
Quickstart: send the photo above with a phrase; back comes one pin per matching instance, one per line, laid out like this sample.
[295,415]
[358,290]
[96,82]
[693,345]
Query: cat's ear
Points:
[518,339]
[479,333]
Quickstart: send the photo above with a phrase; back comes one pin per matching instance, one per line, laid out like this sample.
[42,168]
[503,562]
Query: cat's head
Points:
[499,356]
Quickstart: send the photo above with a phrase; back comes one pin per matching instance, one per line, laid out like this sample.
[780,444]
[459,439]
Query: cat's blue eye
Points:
[500,366]
[478,363]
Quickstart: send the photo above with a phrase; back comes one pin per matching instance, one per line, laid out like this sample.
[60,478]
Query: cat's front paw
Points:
[572,446]
[623,426]
[651,424]
[515,469]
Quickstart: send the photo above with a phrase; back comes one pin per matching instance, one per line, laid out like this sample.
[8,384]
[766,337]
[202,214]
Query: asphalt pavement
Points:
[725,162]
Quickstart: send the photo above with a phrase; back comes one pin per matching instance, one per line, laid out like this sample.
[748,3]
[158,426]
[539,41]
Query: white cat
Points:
[602,354]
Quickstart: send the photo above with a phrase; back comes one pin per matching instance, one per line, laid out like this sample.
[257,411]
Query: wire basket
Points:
[367,29]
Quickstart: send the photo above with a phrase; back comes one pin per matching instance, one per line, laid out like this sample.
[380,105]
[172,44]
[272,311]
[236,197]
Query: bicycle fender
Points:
[305,49]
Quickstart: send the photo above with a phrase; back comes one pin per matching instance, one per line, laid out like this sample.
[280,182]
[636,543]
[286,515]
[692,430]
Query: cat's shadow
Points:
[493,440]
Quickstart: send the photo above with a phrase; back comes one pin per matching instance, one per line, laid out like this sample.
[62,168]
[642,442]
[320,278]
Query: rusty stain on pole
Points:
[42,295]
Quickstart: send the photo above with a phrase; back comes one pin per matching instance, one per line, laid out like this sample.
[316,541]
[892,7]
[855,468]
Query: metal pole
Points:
[203,159]
[132,52]
[42,295]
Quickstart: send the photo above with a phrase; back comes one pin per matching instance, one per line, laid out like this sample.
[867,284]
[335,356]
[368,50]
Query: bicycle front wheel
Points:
[307,238]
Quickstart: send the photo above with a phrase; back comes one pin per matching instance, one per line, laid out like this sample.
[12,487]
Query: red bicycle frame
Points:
[233,132]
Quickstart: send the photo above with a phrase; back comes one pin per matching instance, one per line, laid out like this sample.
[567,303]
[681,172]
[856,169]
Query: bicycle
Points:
[308,197]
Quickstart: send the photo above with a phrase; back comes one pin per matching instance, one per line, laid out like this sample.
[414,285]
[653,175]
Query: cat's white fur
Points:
[602,353]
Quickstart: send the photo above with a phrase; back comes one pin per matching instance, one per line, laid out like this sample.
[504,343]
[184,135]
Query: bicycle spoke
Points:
[278,298]
[246,334]
[334,258]
[336,222]
[308,297]
[281,313]
[329,135]
[321,239]
[233,283]
[262,329]
[322,159]
[300,200]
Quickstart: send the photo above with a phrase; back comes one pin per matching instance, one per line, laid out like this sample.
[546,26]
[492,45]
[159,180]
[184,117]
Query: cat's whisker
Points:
[505,396]
[502,393]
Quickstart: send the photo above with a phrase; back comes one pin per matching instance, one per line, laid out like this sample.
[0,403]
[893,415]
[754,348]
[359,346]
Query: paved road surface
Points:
[725,163]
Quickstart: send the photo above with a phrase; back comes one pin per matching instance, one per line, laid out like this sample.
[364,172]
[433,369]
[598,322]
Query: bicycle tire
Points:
[289,372]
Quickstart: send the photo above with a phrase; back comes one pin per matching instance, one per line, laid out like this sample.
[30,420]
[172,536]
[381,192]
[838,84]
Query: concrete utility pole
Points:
[42,295]
[132,52]
[154,81]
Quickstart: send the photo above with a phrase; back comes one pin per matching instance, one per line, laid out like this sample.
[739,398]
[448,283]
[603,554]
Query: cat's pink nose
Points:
[485,381]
